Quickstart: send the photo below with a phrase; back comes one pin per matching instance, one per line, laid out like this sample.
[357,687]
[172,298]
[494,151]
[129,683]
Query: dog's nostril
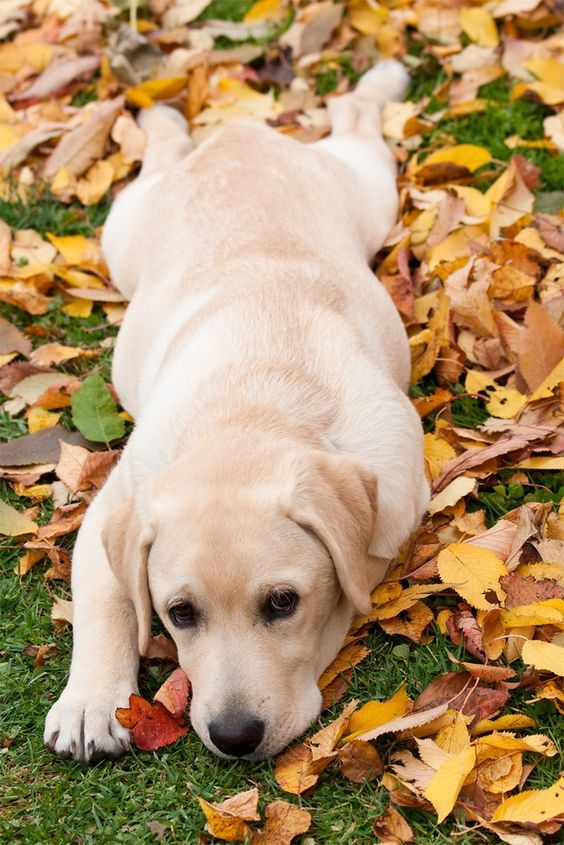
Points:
[236,736]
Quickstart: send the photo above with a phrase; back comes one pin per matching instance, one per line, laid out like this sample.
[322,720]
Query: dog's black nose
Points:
[236,736]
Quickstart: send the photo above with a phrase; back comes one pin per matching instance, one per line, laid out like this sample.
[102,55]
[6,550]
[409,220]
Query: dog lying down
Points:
[276,464]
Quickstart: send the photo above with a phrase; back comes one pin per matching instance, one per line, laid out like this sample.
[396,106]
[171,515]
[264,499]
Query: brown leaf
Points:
[463,628]
[541,347]
[296,771]
[360,761]
[525,590]
[459,691]
[284,822]
[65,519]
[391,828]
[161,648]
[411,623]
[81,147]
[43,447]
[12,340]
[551,231]
[59,74]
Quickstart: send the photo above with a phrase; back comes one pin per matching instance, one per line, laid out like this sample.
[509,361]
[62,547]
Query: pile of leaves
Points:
[475,266]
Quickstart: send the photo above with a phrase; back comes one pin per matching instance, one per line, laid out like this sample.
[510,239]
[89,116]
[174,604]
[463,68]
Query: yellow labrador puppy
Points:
[276,464]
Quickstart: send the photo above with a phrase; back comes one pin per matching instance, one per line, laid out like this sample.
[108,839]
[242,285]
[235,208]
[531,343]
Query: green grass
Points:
[44,213]
[490,128]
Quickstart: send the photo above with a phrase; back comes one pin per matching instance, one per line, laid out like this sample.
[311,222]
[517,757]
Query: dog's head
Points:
[256,580]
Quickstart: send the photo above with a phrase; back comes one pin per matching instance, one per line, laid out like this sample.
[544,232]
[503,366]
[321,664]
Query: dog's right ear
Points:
[127,546]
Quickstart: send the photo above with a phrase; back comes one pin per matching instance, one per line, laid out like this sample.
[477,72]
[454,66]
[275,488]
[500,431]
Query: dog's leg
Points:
[356,140]
[168,143]
[105,657]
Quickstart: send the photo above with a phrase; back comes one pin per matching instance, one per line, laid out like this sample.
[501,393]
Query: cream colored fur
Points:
[274,446]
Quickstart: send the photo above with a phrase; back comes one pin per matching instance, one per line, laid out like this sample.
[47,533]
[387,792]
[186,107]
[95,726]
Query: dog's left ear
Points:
[335,497]
[127,543]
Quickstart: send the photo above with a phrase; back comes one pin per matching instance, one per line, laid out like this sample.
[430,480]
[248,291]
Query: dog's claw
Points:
[86,729]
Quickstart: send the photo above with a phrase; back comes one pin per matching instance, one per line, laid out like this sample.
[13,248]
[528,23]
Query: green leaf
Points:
[94,411]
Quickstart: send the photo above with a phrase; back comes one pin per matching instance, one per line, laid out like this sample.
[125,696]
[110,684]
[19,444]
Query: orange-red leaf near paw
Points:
[152,725]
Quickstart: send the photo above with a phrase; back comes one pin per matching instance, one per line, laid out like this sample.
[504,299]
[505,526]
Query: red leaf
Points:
[152,725]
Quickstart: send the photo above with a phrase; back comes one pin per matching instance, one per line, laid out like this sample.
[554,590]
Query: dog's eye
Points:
[281,603]
[183,615]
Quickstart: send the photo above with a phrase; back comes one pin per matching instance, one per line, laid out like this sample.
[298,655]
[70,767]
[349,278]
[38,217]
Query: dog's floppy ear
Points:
[335,497]
[127,546]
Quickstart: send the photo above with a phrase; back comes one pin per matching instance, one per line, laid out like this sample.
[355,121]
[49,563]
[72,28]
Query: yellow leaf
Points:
[456,245]
[504,723]
[376,713]
[147,93]
[13,523]
[54,353]
[511,199]
[227,820]
[8,136]
[78,307]
[406,600]
[447,781]
[508,742]
[453,492]
[477,204]
[550,71]
[368,18]
[296,770]
[28,560]
[474,573]
[92,187]
[437,452]
[73,248]
[349,656]
[532,806]
[542,462]
[63,184]
[13,57]
[479,26]
[38,419]
[547,657]
[467,155]
[454,738]
[550,612]
[442,618]
[546,389]
[266,10]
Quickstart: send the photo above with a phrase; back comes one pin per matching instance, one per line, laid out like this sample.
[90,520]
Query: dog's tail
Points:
[359,111]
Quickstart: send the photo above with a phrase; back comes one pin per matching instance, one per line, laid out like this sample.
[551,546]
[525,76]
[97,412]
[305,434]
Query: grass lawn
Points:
[51,801]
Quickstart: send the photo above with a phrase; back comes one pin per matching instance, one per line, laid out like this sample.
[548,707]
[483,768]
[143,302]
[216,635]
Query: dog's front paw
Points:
[84,726]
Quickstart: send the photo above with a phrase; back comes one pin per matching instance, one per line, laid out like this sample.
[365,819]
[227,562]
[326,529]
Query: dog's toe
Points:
[86,729]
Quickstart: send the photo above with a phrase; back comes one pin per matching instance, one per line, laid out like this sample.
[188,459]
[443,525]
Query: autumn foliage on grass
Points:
[475,267]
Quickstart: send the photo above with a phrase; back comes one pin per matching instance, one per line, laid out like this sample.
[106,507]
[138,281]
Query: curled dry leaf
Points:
[227,821]
[391,828]
[360,761]
[284,822]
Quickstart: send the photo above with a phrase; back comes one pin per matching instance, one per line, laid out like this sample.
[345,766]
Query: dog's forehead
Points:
[225,549]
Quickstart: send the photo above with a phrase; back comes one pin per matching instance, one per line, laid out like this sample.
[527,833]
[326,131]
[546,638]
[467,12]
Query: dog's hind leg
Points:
[356,140]
[168,143]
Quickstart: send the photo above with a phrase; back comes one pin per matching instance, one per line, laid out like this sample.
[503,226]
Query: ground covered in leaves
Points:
[448,727]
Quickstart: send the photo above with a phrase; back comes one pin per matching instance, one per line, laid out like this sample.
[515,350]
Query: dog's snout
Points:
[236,735]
